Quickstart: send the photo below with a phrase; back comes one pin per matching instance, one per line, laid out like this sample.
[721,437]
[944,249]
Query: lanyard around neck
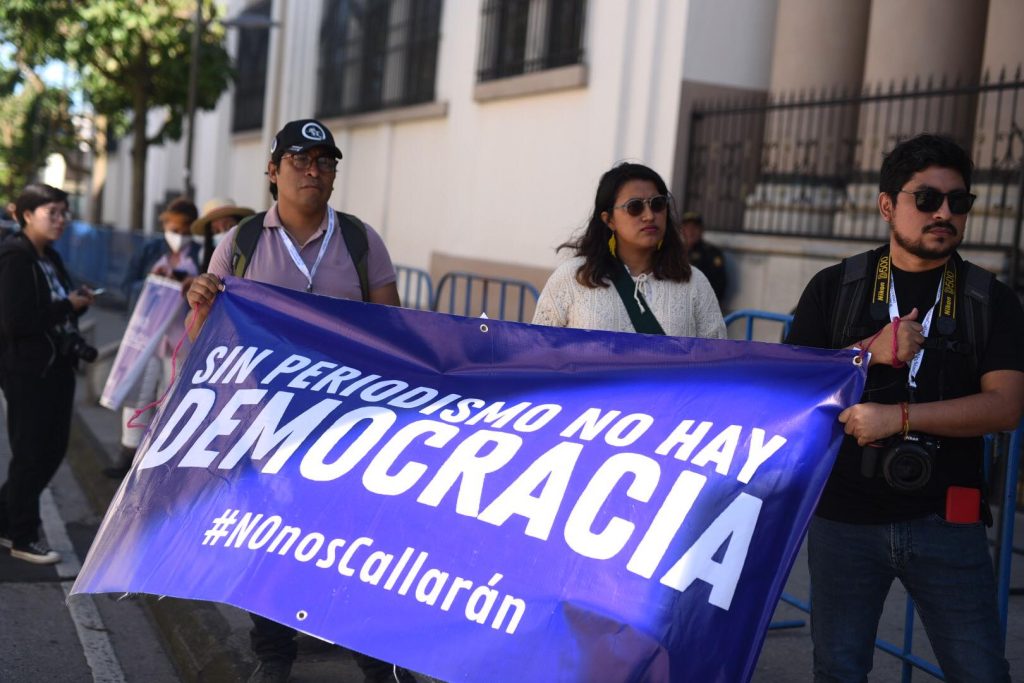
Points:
[945,301]
[309,273]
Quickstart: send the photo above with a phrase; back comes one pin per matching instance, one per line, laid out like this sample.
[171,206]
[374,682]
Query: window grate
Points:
[524,36]
[251,66]
[377,54]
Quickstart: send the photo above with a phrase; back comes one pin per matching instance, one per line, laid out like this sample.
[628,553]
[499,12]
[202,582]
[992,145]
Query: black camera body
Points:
[906,463]
[74,346]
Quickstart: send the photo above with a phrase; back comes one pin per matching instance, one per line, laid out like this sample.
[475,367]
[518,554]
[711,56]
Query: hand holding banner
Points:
[159,304]
[481,500]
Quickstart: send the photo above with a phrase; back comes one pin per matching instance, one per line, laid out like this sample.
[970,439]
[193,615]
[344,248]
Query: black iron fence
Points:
[806,164]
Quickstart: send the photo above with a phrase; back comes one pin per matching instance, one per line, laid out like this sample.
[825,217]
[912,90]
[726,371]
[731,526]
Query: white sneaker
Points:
[36,552]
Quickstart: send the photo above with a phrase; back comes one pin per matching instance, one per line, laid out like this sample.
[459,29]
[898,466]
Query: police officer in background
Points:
[706,256]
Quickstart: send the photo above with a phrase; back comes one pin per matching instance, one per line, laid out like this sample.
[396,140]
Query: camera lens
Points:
[907,467]
[87,353]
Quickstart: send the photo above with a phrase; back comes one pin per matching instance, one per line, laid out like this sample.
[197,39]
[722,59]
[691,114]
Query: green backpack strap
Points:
[244,244]
[358,244]
[352,231]
[640,313]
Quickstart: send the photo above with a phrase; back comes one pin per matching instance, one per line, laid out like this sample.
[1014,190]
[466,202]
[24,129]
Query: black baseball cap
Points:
[692,217]
[299,136]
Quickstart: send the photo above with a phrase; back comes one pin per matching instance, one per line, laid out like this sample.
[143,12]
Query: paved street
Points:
[143,639]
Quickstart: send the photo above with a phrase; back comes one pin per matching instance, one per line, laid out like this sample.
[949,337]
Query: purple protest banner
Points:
[481,500]
[160,302]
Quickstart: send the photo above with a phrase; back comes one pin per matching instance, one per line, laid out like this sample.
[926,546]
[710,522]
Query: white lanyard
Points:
[926,324]
[294,253]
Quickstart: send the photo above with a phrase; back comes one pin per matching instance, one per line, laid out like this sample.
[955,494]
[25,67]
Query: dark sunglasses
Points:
[302,162]
[929,200]
[635,207]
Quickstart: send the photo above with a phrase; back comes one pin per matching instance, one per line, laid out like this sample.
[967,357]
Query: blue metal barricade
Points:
[471,294]
[415,288]
[98,255]
[1004,530]
[751,315]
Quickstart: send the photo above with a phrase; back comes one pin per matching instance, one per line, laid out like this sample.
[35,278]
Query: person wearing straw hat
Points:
[219,215]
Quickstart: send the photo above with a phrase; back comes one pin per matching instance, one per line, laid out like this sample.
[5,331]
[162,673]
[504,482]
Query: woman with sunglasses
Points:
[630,272]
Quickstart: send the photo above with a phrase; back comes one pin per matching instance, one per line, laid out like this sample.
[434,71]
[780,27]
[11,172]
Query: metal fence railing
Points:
[415,288]
[1007,454]
[748,317]
[807,164]
[471,294]
[99,256]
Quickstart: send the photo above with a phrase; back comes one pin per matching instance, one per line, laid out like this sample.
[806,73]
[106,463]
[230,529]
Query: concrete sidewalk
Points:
[210,641]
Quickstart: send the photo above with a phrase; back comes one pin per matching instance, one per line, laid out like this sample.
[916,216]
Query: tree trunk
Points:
[139,149]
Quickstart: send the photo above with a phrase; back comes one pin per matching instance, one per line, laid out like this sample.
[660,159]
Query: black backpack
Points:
[352,230]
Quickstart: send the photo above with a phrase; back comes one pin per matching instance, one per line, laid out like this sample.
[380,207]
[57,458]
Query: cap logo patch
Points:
[312,131]
[273,145]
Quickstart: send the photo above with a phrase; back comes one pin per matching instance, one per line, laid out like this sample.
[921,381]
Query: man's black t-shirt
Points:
[851,497]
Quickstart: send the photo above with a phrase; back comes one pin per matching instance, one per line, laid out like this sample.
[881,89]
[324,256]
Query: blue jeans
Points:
[945,568]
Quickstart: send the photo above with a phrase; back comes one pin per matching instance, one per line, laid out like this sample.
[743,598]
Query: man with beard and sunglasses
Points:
[301,246]
[906,496]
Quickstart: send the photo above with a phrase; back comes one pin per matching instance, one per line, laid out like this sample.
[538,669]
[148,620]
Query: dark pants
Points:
[38,423]
[946,569]
[273,641]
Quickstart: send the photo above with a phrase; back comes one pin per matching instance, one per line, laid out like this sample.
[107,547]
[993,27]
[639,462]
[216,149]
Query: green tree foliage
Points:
[132,56]
[35,121]
[33,125]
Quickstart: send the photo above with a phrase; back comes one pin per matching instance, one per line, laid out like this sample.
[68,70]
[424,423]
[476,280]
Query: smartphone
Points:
[179,275]
[97,292]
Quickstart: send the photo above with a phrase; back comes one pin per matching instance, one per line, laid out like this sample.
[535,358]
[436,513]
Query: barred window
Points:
[377,54]
[522,36]
[251,66]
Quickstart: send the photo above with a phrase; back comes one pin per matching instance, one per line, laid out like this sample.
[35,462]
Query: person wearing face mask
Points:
[219,216]
[179,260]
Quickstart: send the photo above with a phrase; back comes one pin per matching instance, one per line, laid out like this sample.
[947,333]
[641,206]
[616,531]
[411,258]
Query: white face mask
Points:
[176,241]
[218,237]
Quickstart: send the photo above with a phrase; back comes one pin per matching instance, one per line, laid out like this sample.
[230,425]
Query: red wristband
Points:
[896,362]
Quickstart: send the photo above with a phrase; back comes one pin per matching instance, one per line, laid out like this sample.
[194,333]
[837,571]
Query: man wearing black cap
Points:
[707,257]
[299,247]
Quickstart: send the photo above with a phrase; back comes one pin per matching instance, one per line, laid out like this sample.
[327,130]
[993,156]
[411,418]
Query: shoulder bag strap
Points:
[643,321]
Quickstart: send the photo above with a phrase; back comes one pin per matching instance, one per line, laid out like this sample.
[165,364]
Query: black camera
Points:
[905,463]
[73,346]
